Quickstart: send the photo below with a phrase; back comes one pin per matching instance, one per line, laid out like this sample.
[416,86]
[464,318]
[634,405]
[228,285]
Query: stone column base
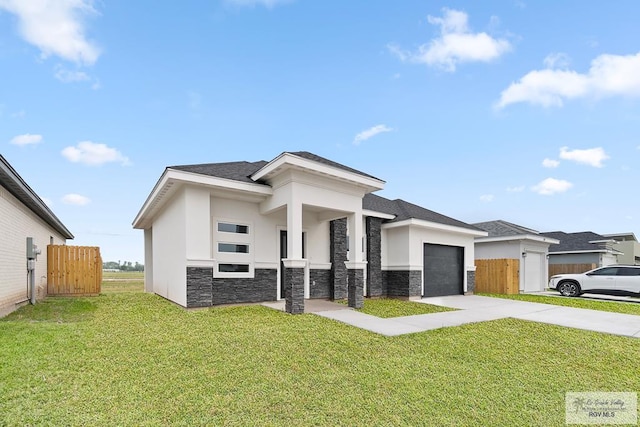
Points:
[355,281]
[294,290]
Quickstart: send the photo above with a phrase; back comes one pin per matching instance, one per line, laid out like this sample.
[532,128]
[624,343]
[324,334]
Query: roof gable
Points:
[243,170]
[327,162]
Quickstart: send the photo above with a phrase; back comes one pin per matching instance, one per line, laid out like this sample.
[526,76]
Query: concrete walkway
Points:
[310,305]
[475,308]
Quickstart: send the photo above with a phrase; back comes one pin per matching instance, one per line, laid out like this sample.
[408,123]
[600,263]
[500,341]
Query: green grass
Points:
[56,310]
[137,359]
[122,281]
[615,307]
[122,275]
[389,307]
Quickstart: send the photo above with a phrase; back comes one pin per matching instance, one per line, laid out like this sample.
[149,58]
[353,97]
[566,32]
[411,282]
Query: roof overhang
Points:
[435,226]
[630,236]
[172,180]
[594,251]
[376,214]
[603,241]
[521,237]
[15,185]
[288,161]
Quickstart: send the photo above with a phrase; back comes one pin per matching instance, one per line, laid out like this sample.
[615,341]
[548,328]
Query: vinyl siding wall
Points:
[17,222]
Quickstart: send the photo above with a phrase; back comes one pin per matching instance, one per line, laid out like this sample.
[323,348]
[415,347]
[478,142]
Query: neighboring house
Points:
[23,214]
[511,241]
[299,226]
[628,245]
[582,248]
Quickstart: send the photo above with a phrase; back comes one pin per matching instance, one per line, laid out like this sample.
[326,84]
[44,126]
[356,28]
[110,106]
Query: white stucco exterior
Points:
[169,250]
[233,227]
[403,245]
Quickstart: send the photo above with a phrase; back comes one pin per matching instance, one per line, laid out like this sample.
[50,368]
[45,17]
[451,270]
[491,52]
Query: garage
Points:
[443,270]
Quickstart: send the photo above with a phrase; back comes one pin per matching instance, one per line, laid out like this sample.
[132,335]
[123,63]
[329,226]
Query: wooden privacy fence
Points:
[569,268]
[73,270]
[498,276]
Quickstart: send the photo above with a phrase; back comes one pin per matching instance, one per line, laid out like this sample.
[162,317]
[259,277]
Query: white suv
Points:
[610,280]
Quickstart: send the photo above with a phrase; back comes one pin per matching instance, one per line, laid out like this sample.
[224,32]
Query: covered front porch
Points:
[333,195]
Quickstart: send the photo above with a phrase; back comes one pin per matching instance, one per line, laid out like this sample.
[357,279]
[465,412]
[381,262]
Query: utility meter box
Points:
[32,249]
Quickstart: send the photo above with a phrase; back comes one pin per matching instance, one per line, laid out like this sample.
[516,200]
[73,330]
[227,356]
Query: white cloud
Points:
[609,75]
[487,198]
[551,186]
[371,132]
[26,139]
[67,76]
[456,44]
[517,189]
[591,156]
[266,3]
[557,60]
[75,199]
[550,163]
[94,154]
[55,27]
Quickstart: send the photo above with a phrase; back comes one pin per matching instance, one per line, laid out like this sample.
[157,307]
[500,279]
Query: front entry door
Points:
[283,255]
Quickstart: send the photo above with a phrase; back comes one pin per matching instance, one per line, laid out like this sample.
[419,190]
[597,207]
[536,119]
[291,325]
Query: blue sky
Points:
[516,110]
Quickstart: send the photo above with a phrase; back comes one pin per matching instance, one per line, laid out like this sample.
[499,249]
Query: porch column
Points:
[294,264]
[355,265]
[374,257]
[294,230]
[294,285]
[338,257]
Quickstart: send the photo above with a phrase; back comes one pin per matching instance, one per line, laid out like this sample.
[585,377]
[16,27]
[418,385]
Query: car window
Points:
[607,271]
[629,271]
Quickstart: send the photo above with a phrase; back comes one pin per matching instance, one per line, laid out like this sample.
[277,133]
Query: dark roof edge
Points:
[327,162]
[31,200]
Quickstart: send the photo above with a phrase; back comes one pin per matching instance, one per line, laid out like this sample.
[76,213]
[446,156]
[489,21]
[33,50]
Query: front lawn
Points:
[136,359]
[615,307]
[390,307]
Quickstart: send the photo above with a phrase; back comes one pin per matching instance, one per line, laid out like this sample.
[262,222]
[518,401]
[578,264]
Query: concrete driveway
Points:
[475,308]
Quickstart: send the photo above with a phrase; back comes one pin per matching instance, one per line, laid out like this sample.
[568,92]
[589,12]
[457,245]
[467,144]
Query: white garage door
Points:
[533,280]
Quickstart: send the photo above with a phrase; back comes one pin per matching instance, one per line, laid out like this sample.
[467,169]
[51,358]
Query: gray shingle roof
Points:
[241,171]
[570,242]
[237,171]
[500,228]
[316,158]
[376,203]
[404,210]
